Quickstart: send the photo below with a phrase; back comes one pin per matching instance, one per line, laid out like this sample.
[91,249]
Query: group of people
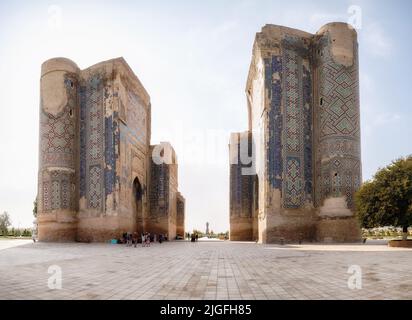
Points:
[131,239]
[194,237]
[146,239]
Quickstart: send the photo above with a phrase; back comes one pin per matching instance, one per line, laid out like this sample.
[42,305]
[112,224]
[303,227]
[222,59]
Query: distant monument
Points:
[207,228]
[294,172]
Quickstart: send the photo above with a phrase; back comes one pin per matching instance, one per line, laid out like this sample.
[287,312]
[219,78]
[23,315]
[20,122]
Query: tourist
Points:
[143,239]
[160,238]
[193,239]
[148,239]
[129,239]
[197,237]
[135,238]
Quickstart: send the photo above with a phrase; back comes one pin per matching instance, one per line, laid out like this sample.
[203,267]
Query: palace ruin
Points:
[97,178]
[294,172]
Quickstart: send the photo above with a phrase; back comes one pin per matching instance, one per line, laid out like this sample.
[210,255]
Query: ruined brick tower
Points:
[303,138]
[96,172]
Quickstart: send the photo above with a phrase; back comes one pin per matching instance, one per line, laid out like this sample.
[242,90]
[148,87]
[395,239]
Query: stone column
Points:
[337,131]
[58,148]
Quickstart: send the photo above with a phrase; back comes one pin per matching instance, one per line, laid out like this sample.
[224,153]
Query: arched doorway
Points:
[138,204]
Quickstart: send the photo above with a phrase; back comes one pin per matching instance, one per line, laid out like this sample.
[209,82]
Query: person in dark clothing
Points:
[135,238]
[197,236]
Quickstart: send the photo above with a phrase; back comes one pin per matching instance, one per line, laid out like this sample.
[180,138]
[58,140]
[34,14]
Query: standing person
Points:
[134,239]
[160,238]
[197,237]
[143,239]
[148,239]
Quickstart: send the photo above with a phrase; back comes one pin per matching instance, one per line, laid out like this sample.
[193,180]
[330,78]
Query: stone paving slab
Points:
[204,270]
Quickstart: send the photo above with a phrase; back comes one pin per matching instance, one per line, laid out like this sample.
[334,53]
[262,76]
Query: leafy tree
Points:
[35,208]
[386,200]
[5,223]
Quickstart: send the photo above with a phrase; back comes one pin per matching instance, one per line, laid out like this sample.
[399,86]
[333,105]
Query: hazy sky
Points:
[193,58]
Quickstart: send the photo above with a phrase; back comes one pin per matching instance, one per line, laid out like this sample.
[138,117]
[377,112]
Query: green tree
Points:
[5,223]
[386,200]
[35,208]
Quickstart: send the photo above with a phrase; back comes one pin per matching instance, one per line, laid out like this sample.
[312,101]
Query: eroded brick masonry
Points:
[97,178]
[303,137]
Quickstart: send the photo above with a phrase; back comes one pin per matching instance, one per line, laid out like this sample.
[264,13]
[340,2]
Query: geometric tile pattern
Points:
[46,196]
[293,154]
[95,136]
[293,185]
[273,85]
[55,195]
[307,132]
[109,152]
[56,190]
[337,120]
[83,140]
[339,93]
[57,138]
[65,194]
[57,133]
[95,187]
[288,84]
[293,103]
[92,140]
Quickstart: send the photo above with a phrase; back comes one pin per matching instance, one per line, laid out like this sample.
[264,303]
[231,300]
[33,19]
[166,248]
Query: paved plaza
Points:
[203,270]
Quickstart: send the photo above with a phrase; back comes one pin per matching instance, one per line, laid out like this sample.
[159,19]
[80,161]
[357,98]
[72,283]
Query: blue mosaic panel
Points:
[293,187]
[83,133]
[273,74]
[116,138]
[57,133]
[337,120]
[293,103]
[57,150]
[307,132]
[65,194]
[46,196]
[294,183]
[110,168]
[55,195]
[92,136]
[95,187]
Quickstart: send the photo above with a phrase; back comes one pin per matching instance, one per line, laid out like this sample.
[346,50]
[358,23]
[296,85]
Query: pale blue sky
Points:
[193,58]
